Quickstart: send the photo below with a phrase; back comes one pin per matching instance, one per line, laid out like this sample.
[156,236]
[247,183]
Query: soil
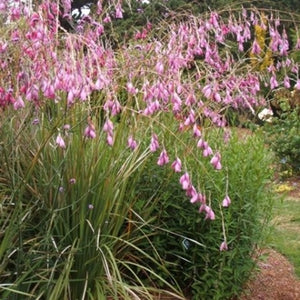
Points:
[275,279]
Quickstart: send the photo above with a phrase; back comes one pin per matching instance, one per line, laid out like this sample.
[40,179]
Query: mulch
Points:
[275,280]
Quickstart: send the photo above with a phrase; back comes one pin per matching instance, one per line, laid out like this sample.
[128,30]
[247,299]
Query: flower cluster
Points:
[151,72]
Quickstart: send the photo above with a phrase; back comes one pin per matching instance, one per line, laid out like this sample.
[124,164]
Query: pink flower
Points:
[115,108]
[3,47]
[255,47]
[273,82]
[119,12]
[191,191]
[159,67]
[286,82]
[19,103]
[185,181]
[89,131]
[110,139]
[207,91]
[216,161]
[226,202]
[36,121]
[214,19]
[223,246]
[207,151]
[176,165]
[108,126]
[99,7]
[195,197]
[60,142]
[131,89]
[297,85]
[208,210]
[217,97]
[196,131]
[154,145]
[107,18]
[201,144]
[70,97]
[131,143]
[163,158]
[67,127]
[202,207]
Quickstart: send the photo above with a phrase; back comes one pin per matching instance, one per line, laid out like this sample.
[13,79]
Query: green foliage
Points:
[284,236]
[283,135]
[137,14]
[186,243]
[65,213]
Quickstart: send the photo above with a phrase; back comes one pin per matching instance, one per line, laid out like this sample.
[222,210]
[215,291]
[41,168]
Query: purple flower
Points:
[72,181]
[176,165]
[131,143]
[89,131]
[163,158]
[195,197]
[255,47]
[223,246]
[36,121]
[207,91]
[201,144]
[110,139]
[191,191]
[297,85]
[208,210]
[185,181]
[19,103]
[226,202]
[207,151]
[216,161]
[273,82]
[108,126]
[60,142]
[196,131]
[119,13]
[131,89]
[159,67]
[67,127]
[286,82]
[154,145]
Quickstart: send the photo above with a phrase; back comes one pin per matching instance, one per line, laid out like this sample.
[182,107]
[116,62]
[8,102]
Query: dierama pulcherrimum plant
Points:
[194,70]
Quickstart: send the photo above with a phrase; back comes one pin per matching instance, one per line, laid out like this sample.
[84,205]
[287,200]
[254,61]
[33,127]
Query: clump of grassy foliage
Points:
[65,212]
[186,242]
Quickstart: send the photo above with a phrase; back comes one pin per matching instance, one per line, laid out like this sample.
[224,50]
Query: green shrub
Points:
[283,136]
[123,226]
[66,211]
[186,243]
